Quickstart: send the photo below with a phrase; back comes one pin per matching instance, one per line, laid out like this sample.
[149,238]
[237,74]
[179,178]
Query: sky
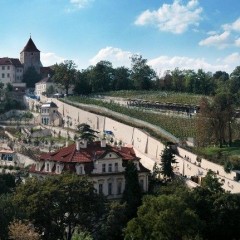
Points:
[188,34]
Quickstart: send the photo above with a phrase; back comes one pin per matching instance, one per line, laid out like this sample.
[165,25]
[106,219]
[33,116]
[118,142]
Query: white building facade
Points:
[11,71]
[102,163]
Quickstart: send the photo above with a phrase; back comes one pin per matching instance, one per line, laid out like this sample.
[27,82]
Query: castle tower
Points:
[30,56]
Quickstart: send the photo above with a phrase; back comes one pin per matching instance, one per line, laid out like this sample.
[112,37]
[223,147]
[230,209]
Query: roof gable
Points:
[94,151]
[30,46]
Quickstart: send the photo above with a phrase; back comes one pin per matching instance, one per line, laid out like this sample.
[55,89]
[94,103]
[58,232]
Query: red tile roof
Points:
[93,152]
[30,46]
[10,61]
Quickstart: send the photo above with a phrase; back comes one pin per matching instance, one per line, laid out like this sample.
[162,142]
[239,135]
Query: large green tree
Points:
[101,76]
[82,84]
[31,77]
[167,161]
[218,116]
[122,79]
[142,74]
[65,74]
[59,204]
[132,194]
[164,217]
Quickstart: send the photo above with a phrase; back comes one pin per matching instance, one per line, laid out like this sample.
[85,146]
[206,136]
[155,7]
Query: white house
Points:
[49,114]
[102,163]
[11,71]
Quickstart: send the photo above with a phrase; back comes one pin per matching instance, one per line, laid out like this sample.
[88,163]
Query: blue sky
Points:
[189,34]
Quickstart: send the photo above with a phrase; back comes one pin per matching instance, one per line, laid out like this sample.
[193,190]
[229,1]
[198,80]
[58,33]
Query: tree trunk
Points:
[230,134]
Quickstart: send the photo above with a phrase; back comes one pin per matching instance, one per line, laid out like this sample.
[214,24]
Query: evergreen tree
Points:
[132,194]
[31,77]
[86,132]
[167,159]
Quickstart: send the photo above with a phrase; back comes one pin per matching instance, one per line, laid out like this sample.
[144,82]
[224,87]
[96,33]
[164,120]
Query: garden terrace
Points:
[179,127]
[177,107]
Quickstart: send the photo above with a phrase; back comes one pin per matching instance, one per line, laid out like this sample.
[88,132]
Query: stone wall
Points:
[147,148]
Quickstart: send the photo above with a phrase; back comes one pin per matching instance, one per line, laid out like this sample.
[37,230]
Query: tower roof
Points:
[30,46]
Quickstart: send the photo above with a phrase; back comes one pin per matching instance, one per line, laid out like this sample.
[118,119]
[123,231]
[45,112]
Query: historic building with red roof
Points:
[104,164]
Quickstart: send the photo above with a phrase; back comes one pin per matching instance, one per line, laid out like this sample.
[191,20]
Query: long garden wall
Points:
[146,147]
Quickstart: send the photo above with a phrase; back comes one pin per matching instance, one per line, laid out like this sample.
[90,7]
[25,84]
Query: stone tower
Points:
[30,56]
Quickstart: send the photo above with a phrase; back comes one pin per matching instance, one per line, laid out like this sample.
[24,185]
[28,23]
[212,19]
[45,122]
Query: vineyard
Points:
[159,96]
[181,127]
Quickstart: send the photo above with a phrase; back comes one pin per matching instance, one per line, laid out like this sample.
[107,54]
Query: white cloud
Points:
[49,59]
[175,18]
[116,56]
[237,42]
[232,59]
[219,40]
[80,3]
[77,4]
[164,63]
[227,38]
[235,26]
[161,64]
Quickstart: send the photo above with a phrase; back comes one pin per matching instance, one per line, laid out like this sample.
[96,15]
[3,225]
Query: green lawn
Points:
[221,155]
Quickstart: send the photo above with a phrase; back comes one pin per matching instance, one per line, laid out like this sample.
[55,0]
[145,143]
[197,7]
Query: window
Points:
[8,67]
[116,167]
[3,67]
[109,167]
[104,167]
[100,188]
[110,188]
[80,170]
[141,183]
[8,75]
[47,167]
[119,188]
[3,75]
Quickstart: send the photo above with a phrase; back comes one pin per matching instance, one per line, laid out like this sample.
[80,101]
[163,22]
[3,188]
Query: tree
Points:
[86,132]
[178,80]
[31,77]
[114,222]
[234,81]
[7,214]
[50,90]
[60,204]
[218,115]
[82,236]
[212,183]
[132,194]
[122,79]
[167,159]
[101,77]
[82,84]
[164,217]
[65,74]
[141,74]
[7,183]
[19,230]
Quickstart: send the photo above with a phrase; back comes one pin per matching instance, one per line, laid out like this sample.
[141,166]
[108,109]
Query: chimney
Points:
[83,143]
[67,143]
[77,145]
[103,143]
